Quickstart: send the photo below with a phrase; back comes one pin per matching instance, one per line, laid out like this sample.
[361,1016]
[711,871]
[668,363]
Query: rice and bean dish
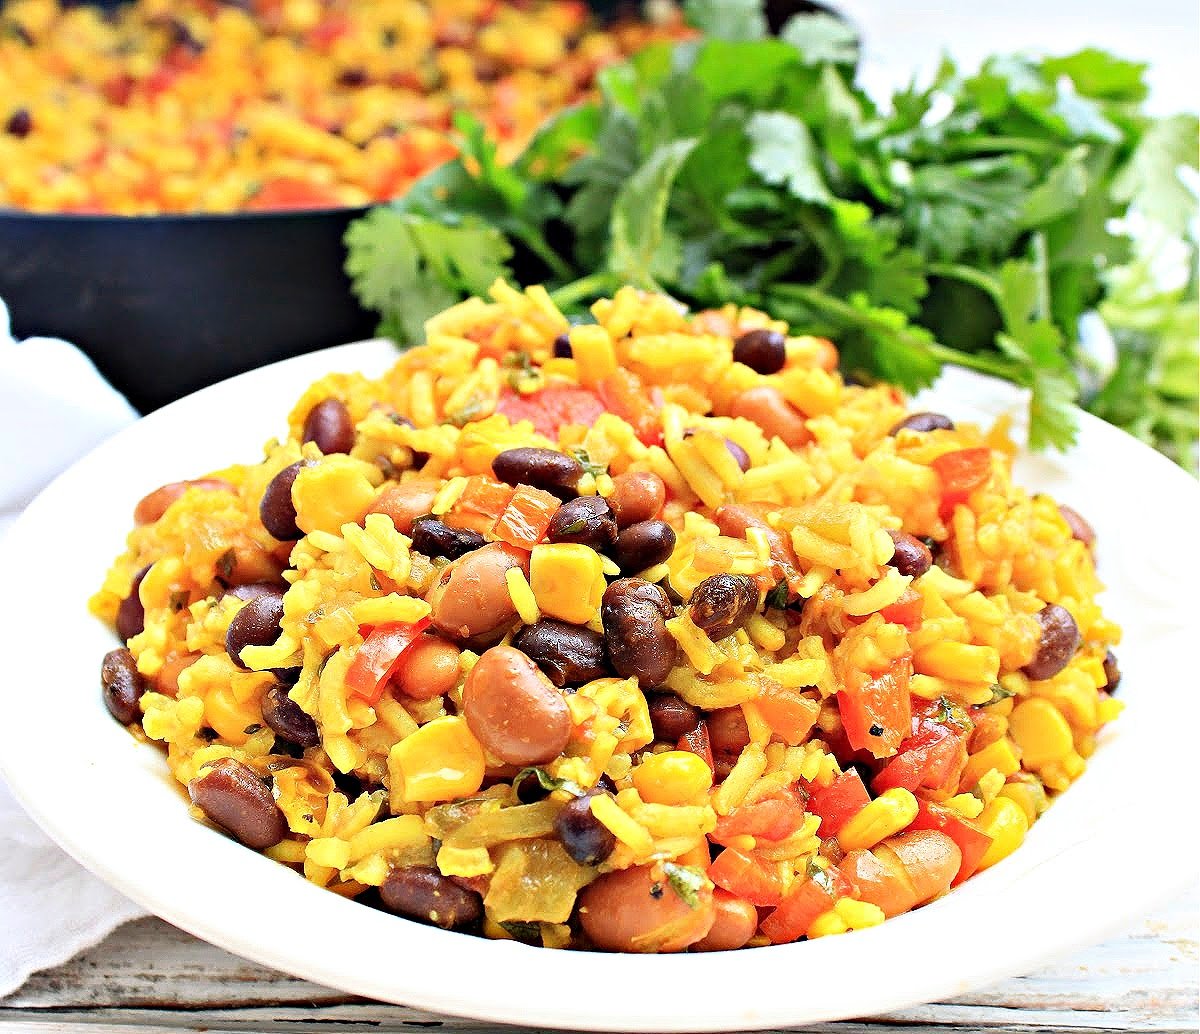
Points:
[645,634]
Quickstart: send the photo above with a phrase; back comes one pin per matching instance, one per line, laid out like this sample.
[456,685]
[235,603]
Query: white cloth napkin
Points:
[54,407]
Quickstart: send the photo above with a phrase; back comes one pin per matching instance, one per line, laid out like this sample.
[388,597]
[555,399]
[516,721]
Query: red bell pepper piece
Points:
[552,407]
[960,473]
[747,877]
[972,841]
[622,393]
[772,818]
[906,611]
[839,802]
[524,521]
[481,505]
[790,715]
[699,743]
[379,656]
[933,757]
[802,904]
[876,710]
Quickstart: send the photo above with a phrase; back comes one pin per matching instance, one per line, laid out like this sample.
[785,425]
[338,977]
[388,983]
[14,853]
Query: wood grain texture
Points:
[150,977]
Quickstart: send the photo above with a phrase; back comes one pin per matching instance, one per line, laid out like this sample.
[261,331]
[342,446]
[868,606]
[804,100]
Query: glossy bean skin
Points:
[514,710]
[1057,643]
[636,910]
[256,624]
[552,471]
[328,424]
[422,893]
[131,615]
[671,716]
[430,669]
[763,350]
[435,539]
[728,734]
[166,680]
[735,922]
[570,655]
[735,519]
[470,601]
[1080,528]
[1112,673]
[586,521]
[777,417]
[912,557]
[643,545]
[636,496]
[739,454]
[584,837]
[122,685]
[904,871]
[287,719]
[923,422]
[635,613]
[252,589]
[151,507]
[723,603]
[277,511]
[562,347]
[405,502]
[234,798]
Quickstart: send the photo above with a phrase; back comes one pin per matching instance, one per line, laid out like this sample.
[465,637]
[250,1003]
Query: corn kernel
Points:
[328,851]
[858,915]
[333,492]
[1001,755]
[889,813]
[439,762]
[1031,798]
[567,581]
[673,777]
[228,718]
[1041,732]
[1005,822]
[826,924]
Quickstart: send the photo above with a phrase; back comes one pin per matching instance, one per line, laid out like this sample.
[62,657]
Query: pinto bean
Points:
[1112,673]
[763,350]
[422,893]
[514,710]
[904,871]
[131,615]
[328,424]
[122,685]
[1080,528]
[636,496]
[154,505]
[923,422]
[912,556]
[636,910]
[736,519]
[728,734]
[777,417]
[1057,643]
[405,502]
[570,655]
[723,603]
[430,669]
[233,797]
[635,613]
[547,469]
[643,545]
[671,717]
[256,624]
[287,719]
[587,521]
[470,600]
[735,923]
[277,511]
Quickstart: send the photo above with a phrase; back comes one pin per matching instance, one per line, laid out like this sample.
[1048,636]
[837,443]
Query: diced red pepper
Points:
[790,715]
[480,506]
[623,393]
[972,841]
[772,818]
[933,757]
[526,518]
[379,656]
[906,611]
[802,904]
[747,877]
[960,473]
[839,802]
[698,742]
[552,407]
[876,710]
[285,192]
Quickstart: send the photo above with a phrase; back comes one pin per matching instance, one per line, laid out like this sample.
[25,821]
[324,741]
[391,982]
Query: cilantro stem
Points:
[968,275]
[536,243]
[981,362]
[976,145]
[590,286]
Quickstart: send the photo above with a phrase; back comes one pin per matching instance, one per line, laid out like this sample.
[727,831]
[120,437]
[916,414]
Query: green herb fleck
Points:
[686,882]
[779,595]
[585,461]
[526,933]
[999,693]
[548,782]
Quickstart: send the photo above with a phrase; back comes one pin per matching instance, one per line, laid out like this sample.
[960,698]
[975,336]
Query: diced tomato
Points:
[933,757]
[526,518]
[286,193]
[790,715]
[551,408]
[906,610]
[623,393]
[876,709]
[772,818]
[329,29]
[802,904]
[747,877]
[481,504]
[839,802]
[960,473]
[972,841]
[379,656]
[698,742]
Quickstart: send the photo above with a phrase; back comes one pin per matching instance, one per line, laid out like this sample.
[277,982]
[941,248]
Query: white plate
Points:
[1115,844]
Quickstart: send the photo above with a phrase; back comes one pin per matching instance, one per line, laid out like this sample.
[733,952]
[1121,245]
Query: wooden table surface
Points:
[150,977]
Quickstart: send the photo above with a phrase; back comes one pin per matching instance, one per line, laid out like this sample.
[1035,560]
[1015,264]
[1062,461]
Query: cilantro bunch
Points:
[973,222]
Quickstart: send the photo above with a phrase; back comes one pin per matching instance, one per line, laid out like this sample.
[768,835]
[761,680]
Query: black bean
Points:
[588,521]
[634,614]
[131,615]
[529,789]
[1112,673]
[329,425]
[233,797]
[256,624]
[19,124]
[912,556]
[287,719]
[723,603]
[562,347]
[1080,528]
[122,685]
[1057,643]
[570,655]
[764,351]
[924,422]
[422,893]
[353,77]
[277,511]
[419,458]
[739,454]
[435,539]
[642,545]
[551,471]
[585,837]
[671,717]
